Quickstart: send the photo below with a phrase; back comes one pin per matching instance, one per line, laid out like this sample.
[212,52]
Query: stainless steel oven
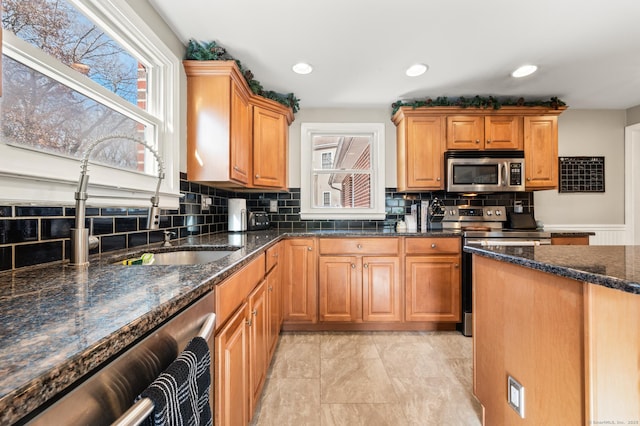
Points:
[484,171]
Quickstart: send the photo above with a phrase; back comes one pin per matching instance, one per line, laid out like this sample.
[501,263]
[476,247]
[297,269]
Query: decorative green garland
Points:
[476,102]
[212,52]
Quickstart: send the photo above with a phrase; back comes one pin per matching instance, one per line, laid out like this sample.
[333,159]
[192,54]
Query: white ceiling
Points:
[588,52]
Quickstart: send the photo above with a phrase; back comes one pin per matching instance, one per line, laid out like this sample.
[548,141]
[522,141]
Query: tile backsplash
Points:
[32,235]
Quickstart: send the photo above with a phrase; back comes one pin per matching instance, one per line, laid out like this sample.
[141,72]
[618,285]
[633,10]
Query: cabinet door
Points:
[420,153]
[465,132]
[381,289]
[300,296]
[274,300]
[503,132]
[240,150]
[258,326]
[339,288]
[541,152]
[232,368]
[432,288]
[270,136]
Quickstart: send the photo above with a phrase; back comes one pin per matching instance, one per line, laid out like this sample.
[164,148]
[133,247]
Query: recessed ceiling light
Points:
[524,71]
[302,68]
[416,70]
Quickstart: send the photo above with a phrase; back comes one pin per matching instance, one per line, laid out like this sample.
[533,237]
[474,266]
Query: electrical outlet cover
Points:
[273,206]
[515,395]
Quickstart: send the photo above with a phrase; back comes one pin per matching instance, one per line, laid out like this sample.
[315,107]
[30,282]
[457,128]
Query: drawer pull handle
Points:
[433,245]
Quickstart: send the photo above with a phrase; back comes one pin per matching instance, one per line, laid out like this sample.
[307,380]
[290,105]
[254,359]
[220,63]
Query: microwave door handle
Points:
[503,174]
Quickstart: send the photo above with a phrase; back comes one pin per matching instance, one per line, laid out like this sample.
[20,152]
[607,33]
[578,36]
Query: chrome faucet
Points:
[80,238]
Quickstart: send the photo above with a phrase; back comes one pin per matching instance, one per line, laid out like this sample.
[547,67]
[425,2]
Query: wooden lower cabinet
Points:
[232,371]
[571,241]
[300,292]
[357,286]
[258,342]
[359,289]
[432,288]
[432,279]
[274,295]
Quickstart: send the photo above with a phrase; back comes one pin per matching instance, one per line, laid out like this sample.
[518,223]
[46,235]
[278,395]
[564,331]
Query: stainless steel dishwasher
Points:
[111,391]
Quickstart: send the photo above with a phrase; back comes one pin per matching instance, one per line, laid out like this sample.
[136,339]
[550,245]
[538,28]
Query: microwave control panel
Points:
[515,174]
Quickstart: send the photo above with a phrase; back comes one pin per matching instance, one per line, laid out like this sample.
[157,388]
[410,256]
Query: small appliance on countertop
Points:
[237,214]
[258,221]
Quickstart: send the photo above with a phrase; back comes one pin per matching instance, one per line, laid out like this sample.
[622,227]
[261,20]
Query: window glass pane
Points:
[61,31]
[346,190]
[40,113]
[345,152]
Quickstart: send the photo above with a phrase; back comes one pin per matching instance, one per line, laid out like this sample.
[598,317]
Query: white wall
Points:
[312,115]
[587,133]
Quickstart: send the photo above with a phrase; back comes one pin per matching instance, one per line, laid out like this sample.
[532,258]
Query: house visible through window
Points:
[48,111]
[345,173]
[79,71]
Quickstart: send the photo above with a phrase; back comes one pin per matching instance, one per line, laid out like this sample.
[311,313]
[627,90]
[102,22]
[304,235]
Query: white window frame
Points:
[377,133]
[29,176]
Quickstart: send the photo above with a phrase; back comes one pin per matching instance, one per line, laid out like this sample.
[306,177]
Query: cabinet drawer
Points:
[432,245]
[235,289]
[273,253]
[359,246]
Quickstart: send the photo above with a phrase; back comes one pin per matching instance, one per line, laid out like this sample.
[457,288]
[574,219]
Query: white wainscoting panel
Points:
[605,235]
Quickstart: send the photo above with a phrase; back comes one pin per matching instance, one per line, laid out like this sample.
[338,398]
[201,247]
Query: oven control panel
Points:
[475,214]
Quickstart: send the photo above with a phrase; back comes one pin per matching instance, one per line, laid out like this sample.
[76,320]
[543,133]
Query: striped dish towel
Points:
[180,394]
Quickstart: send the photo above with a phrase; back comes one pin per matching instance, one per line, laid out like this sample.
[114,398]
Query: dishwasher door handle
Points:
[142,409]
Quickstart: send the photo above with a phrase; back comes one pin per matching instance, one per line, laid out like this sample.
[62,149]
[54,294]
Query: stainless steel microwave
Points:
[484,171]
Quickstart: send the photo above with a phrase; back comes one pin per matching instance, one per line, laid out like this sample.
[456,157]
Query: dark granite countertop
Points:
[616,267]
[59,323]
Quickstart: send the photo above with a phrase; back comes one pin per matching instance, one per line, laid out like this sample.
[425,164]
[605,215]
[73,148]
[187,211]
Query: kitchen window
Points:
[342,171]
[74,72]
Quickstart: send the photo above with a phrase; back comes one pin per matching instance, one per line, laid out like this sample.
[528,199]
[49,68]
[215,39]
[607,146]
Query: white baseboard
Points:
[606,235]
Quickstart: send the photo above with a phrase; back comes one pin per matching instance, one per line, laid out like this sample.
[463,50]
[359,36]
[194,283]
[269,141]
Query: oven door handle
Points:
[509,243]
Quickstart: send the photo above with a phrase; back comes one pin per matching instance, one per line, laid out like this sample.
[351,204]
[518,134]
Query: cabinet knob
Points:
[433,245]
[488,140]
[257,176]
[270,288]
[236,168]
[359,246]
[309,248]
[366,265]
[249,322]
[528,179]
[438,179]
[255,312]
[477,140]
[353,266]
[457,265]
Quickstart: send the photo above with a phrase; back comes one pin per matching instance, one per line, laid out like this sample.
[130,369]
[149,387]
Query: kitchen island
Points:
[563,322]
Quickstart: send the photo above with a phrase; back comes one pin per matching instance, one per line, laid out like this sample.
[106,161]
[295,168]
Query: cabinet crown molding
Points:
[409,111]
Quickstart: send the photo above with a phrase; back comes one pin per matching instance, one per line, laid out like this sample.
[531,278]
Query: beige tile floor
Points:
[370,378]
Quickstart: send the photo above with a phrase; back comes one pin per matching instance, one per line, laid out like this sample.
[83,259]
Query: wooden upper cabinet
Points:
[270,140]
[234,138]
[420,148]
[541,152]
[465,132]
[240,143]
[477,132]
[218,123]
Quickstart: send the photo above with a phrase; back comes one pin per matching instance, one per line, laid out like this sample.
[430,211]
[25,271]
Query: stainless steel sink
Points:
[189,257]
[184,256]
